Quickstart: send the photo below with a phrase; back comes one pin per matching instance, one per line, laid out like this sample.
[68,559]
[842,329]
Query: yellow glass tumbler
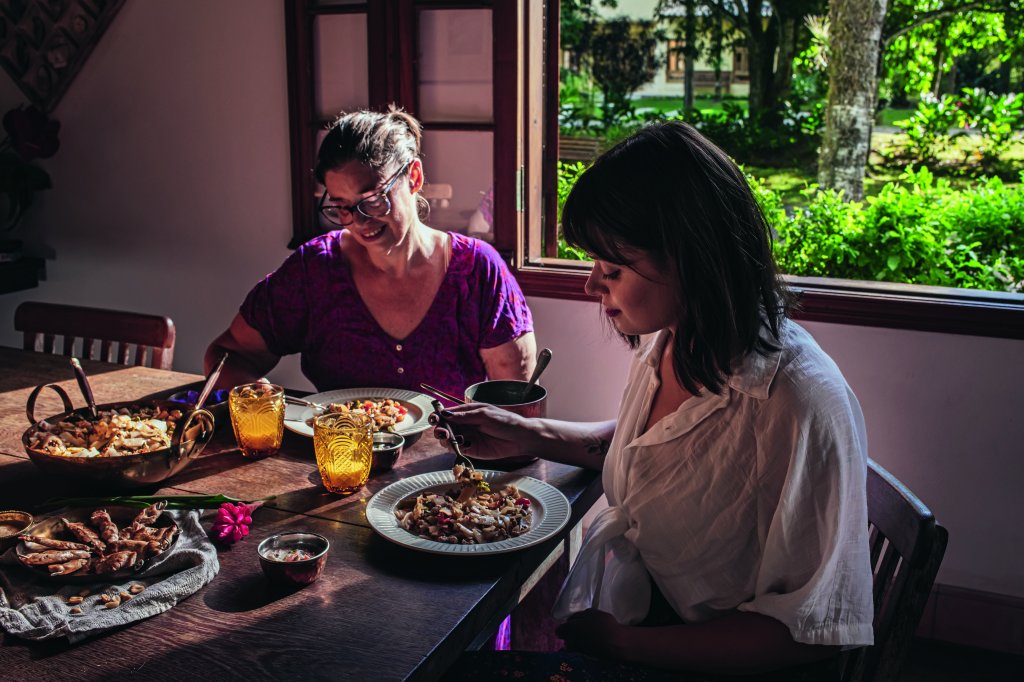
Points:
[257,416]
[343,444]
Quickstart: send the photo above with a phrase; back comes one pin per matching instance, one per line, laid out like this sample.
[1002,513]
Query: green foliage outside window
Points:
[919,230]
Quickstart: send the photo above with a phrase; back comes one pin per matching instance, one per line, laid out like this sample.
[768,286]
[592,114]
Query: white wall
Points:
[171,194]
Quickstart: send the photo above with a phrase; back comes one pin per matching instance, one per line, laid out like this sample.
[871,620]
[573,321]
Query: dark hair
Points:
[384,141]
[669,192]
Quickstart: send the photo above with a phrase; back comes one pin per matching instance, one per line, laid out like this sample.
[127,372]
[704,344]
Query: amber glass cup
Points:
[343,444]
[257,416]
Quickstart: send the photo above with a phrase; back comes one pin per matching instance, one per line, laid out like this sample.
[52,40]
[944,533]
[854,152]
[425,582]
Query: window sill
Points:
[868,304]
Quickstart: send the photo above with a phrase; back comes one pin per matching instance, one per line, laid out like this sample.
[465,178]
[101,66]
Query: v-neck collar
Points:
[456,246]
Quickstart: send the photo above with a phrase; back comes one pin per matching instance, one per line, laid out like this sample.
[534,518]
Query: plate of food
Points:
[462,511]
[84,545]
[392,409]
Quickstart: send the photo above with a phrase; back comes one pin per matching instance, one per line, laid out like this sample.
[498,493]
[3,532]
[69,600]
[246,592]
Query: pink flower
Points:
[232,523]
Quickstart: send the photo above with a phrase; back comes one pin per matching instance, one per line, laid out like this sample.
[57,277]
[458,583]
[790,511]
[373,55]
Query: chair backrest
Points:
[110,335]
[907,546]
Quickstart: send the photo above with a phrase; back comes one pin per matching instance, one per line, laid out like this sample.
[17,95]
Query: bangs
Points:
[604,212]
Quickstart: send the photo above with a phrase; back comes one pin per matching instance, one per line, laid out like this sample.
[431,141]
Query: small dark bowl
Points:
[294,572]
[216,403]
[12,524]
[386,449]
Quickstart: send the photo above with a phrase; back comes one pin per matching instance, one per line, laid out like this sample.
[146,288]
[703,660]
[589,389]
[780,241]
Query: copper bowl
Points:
[284,571]
[508,395]
[195,429]
[12,524]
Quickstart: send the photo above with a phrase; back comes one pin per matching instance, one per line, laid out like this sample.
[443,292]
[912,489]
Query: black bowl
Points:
[216,403]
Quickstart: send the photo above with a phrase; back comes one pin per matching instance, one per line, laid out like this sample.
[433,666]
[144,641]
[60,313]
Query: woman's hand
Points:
[592,632]
[484,431]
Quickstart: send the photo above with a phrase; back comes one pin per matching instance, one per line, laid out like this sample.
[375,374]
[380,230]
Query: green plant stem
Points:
[173,501]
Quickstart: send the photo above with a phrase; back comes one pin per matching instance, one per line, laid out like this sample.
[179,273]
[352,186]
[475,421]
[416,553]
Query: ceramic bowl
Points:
[216,404]
[295,558]
[12,524]
[386,449]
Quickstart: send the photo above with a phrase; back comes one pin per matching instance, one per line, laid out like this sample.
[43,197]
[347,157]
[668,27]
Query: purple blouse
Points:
[310,305]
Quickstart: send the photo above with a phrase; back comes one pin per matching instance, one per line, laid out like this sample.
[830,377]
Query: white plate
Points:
[297,417]
[550,509]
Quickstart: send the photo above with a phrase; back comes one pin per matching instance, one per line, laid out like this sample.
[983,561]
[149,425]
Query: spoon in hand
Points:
[543,358]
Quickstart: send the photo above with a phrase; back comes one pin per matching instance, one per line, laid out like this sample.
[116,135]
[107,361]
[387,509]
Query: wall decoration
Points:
[43,43]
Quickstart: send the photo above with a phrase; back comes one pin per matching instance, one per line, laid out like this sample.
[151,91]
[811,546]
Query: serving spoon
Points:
[543,358]
[83,384]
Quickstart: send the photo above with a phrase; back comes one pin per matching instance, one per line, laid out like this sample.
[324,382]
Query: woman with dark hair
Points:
[384,300]
[735,540]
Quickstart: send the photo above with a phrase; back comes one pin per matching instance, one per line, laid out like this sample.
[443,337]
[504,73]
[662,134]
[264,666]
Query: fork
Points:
[451,435]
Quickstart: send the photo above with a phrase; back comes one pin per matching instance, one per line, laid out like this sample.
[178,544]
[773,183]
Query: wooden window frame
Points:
[525,129]
[393,77]
[860,303]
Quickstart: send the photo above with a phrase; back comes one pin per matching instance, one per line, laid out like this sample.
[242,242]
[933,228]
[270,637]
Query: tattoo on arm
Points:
[600,448]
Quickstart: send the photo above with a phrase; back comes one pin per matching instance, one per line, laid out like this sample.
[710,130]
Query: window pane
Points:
[465,162]
[342,81]
[455,82]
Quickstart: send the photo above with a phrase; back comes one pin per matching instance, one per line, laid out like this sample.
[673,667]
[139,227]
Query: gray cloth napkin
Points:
[32,608]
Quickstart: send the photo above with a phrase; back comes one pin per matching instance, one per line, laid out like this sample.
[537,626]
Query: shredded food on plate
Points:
[113,433]
[470,515]
[384,412]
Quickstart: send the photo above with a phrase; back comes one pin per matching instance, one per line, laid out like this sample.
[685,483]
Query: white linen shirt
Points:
[752,500]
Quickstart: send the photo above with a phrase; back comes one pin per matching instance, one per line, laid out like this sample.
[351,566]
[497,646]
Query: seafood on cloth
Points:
[124,431]
[99,547]
[468,515]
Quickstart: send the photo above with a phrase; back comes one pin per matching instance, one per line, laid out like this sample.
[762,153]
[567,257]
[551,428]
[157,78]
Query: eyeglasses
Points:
[375,206]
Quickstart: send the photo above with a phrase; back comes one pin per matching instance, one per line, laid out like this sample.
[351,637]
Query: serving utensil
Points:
[441,394]
[83,384]
[210,381]
[542,362]
[305,403]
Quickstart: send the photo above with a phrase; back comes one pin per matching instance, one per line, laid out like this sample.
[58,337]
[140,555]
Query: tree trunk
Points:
[939,58]
[716,54]
[689,52]
[853,87]
[783,80]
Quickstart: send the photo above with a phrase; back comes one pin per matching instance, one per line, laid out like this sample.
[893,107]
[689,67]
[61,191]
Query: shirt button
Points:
[398,347]
[401,370]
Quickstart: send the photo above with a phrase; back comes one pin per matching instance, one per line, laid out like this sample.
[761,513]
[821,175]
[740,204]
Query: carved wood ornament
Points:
[43,43]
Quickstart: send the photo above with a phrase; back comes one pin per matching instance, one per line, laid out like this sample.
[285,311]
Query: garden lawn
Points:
[791,181]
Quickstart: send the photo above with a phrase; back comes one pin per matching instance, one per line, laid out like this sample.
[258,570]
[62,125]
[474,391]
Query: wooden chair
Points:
[907,546]
[124,337]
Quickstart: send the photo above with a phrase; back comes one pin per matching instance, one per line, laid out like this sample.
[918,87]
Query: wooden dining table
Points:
[379,611]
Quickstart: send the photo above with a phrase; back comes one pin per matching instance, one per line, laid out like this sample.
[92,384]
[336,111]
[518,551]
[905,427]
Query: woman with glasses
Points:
[735,540]
[384,300]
